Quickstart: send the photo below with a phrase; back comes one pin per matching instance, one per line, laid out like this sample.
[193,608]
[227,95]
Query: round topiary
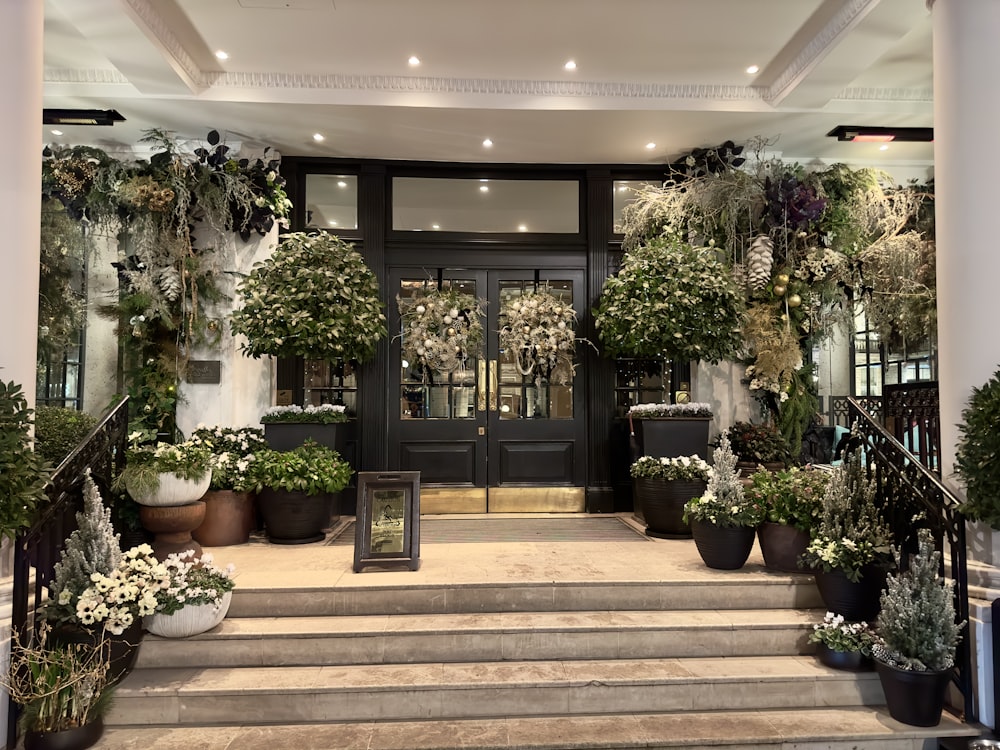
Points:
[671,300]
[977,462]
[313,298]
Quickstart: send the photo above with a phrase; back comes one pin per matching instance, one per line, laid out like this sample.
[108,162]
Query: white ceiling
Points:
[670,72]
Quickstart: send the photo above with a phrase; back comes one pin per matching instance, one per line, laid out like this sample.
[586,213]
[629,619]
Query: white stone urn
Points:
[189,620]
[172,490]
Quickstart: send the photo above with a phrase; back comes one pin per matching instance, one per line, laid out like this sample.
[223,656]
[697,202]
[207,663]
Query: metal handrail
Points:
[909,491]
[37,549]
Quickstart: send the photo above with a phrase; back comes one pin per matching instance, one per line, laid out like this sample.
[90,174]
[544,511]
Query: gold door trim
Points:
[537,500]
[441,500]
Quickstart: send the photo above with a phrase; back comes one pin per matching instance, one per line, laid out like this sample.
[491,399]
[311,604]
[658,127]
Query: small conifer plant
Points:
[917,628]
[723,503]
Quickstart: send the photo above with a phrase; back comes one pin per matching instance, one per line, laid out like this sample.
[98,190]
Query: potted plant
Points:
[757,445]
[287,427]
[662,486]
[850,548]
[23,473]
[843,645]
[296,490]
[723,523]
[63,690]
[978,447]
[314,297]
[79,608]
[790,503]
[229,501]
[672,300]
[918,637]
[671,429]
[195,599]
[59,430]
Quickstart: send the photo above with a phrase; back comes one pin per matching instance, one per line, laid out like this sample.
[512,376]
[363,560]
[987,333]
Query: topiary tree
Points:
[977,461]
[59,430]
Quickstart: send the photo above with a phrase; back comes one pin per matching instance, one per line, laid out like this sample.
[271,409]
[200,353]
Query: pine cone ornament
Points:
[740,275]
[760,259]
[170,283]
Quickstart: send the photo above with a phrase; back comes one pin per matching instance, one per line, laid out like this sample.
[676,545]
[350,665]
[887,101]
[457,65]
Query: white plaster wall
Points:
[247,385]
[720,386]
[100,365]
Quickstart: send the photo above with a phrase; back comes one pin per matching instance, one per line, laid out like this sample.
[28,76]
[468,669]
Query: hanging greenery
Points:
[441,330]
[539,329]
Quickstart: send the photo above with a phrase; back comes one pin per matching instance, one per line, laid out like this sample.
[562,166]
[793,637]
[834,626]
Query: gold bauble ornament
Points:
[794,300]
[781,278]
[779,290]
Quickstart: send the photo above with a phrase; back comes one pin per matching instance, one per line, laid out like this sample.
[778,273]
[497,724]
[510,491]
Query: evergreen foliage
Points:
[723,503]
[977,460]
[851,532]
[917,626]
[92,548]
[23,473]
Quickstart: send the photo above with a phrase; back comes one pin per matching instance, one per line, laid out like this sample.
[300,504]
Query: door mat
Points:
[482,530]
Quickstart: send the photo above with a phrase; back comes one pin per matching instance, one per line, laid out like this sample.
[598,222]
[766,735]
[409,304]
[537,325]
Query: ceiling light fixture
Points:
[872,134]
[487,143]
[414,61]
[318,137]
[341,184]
[753,69]
[221,54]
[56,132]
[81,117]
[333,222]
[522,227]
[484,188]
[884,147]
[570,65]
[650,146]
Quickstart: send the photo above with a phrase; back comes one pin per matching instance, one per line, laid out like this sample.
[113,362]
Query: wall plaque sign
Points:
[204,371]
[387,520]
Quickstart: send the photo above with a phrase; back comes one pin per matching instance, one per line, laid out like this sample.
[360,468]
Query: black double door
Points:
[486,437]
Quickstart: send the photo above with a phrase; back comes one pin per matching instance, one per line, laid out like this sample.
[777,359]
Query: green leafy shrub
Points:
[682,468]
[977,461]
[793,497]
[312,469]
[59,430]
[758,443]
[23,473]
[837,634]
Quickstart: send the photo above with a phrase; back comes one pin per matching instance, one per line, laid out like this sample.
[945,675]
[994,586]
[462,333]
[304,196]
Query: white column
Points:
[21,24]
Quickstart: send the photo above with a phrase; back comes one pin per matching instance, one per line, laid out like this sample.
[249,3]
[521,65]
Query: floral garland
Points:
[441,329]
[540,331]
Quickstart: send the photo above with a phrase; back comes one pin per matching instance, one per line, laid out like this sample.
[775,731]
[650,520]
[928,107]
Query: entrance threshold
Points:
[447,500]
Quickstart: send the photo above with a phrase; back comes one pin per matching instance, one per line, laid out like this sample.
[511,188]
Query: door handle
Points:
[481,386]
[493,385]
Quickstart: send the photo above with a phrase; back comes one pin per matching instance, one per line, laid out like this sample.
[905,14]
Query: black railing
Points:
[37,550]
[911,497]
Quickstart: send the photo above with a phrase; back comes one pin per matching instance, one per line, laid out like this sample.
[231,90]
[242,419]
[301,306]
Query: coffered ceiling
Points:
[667,72]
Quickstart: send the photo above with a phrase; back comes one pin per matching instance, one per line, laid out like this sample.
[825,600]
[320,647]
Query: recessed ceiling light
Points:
[484,188]
[522,228]
[650,146]
[56,132]
[435,226]
[333,222]
[341,184]
[884,147]
[414,60]
[570,65]
[318,137]
[487,143]
[753,69]
[221,54]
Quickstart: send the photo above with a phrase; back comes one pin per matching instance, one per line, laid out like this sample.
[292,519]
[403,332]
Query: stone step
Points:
[837,728]
[263,695]
[503,636]
[741,590]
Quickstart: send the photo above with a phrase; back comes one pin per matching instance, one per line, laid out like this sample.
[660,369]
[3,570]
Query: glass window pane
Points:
[423,204]
[331,201]
[624,194]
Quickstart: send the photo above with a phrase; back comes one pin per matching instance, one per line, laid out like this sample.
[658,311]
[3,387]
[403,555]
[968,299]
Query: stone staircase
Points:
[720,660]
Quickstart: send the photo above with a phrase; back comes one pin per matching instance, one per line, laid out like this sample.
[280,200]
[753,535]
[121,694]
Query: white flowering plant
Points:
[723,502]
[839,635]
[441,329]
[539,330]
[114,600]
[652,411]
[232,450]
[191,580]
[145,462]
[295,414]
[682,468]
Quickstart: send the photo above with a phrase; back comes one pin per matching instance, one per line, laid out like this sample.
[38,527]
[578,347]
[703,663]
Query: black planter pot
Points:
[846,661]
[915,698]
[286,436]
[76,738]
[723,547]
[293,517]
[855,601]
[662,503]
[124,648]
[669,437]
[782,545]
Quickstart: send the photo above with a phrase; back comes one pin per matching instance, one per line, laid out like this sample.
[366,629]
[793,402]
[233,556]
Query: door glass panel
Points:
[533,395]
[330,384]
[436,394]
[332,201]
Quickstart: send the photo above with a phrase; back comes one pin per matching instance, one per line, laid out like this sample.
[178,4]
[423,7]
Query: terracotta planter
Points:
[782,545]
[229,519]
[294,517]
[669,437]
[172,490]
[723,547]
[190,620]
[75,738]
[858,601]
[915,698]
[172,526]
[662,503]
[846,661]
